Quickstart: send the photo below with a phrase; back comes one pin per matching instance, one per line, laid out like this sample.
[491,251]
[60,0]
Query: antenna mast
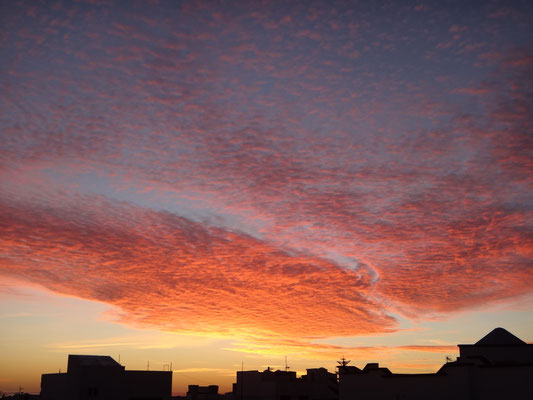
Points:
[343,362]
[242,380]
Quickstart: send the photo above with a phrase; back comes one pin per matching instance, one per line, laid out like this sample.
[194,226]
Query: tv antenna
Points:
[343,362]
[286,366]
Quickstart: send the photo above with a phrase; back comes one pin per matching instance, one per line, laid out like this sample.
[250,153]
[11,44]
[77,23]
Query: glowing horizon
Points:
[263,179]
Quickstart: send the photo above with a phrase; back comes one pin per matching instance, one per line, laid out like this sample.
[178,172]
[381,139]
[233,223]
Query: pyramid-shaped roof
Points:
[499,337]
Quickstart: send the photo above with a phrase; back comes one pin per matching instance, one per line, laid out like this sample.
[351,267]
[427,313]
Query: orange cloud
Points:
[364,189]
[279,346]
[168,272]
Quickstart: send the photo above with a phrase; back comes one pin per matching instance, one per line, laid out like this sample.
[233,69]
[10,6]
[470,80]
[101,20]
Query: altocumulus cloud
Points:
[365,187]
[168,272]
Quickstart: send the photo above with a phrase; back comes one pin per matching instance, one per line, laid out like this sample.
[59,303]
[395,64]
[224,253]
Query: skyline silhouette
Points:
[499,365]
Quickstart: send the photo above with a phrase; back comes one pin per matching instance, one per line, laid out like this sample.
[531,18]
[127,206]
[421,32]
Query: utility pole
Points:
[242,380]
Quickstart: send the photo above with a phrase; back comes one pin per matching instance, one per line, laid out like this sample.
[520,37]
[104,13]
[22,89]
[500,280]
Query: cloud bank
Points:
[290,171]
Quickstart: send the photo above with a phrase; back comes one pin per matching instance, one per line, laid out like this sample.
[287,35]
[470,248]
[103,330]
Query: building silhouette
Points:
[102,378]
[317,384]
[499,366]
[197,392]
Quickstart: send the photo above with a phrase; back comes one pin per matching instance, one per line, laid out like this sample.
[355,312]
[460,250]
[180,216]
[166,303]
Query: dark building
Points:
[318,384]
[102,378]
[20,396]
[499,366]
[196,392]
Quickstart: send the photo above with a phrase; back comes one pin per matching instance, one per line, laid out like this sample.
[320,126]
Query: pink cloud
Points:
[165,271]
[346,172]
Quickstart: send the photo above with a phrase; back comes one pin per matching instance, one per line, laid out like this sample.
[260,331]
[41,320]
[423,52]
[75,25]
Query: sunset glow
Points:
[208,183]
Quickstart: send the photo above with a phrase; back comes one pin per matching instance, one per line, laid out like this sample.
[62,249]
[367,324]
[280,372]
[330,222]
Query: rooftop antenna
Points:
[148,366]
[119,358]
[242,380]
[343,362]
[341,367]
[286,366]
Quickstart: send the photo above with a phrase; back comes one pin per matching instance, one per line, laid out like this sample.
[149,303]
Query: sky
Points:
[219,183]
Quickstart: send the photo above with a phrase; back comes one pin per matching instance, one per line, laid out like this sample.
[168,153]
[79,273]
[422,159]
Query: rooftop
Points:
[500,337]
[92,361]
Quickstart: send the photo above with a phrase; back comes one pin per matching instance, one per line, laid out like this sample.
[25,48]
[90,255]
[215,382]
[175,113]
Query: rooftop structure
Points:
[102,378]
[317,384]
[498,366]
[197,392]
[500,337]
